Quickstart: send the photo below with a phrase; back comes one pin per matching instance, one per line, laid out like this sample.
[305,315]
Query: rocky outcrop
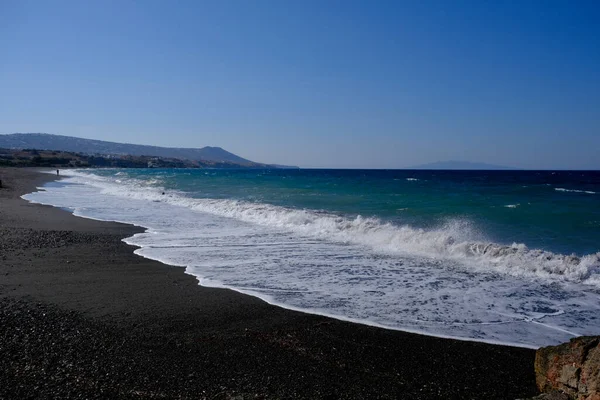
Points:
[572,368]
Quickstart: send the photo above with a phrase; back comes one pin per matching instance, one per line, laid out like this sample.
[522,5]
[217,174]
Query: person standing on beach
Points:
[57,172]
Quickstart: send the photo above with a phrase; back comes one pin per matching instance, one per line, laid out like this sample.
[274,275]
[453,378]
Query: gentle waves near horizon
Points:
[507,257]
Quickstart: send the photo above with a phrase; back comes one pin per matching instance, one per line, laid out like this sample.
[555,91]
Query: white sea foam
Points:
[512,205]
[574,191]
[446,281]
[411,179]
[456,240]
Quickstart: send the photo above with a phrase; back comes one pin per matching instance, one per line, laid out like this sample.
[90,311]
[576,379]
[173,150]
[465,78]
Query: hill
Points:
[460,165]
[44,141]
[65,159]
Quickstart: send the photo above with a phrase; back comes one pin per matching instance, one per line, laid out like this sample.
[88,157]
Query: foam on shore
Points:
[440,281]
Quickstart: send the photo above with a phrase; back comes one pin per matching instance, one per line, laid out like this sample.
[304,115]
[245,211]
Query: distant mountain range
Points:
[460,165]
[45,141]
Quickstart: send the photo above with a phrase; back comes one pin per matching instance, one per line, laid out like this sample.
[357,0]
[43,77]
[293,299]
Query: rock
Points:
[572,368]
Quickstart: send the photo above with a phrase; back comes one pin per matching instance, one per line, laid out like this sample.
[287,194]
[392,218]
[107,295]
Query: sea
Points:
[508,257]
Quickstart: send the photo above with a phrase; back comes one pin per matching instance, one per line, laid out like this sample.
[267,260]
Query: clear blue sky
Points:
[370,84]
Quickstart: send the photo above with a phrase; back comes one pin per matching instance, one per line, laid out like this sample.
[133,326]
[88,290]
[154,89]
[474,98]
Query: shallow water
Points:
[508,257]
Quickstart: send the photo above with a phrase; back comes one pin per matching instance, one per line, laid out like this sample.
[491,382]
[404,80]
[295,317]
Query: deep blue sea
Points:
[496,256]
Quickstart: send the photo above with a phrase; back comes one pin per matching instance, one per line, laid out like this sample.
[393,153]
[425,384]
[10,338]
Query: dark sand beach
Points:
[81,316]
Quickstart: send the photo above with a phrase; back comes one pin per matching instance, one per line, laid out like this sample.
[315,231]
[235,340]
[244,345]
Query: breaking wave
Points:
[574,190]
[456,240]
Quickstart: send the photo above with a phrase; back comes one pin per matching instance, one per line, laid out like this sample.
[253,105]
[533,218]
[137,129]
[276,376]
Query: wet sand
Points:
[82,316]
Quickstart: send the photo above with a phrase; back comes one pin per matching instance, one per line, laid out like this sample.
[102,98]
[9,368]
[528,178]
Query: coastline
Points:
[145,329]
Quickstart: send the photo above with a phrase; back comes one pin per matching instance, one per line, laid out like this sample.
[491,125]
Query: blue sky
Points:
[370,84]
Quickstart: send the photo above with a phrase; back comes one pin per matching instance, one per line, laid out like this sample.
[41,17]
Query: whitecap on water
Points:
[446,281]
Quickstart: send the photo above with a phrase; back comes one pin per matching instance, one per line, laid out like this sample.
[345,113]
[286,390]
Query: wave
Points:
[457,240]
[512,205]
[411,179]
[574,191]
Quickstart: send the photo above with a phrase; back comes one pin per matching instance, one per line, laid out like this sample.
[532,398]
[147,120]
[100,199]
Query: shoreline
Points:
[266,299]
[233,344]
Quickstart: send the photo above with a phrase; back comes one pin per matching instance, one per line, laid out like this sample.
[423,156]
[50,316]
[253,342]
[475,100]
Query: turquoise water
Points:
[556,211]
[497,256]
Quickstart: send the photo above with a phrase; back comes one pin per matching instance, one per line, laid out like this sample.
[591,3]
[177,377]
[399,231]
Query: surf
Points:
[444,281]
[455,240]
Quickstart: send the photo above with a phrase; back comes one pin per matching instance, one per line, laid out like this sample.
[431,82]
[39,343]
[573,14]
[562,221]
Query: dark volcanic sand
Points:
[82,317]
